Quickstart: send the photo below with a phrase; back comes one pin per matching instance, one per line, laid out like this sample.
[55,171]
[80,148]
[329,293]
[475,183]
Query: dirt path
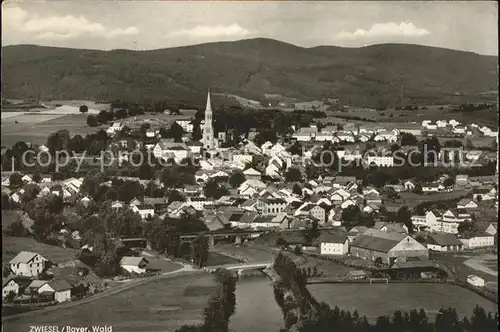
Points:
[478,263]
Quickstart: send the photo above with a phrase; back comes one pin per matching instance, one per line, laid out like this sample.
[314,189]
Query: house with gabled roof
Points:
[134,264]
[9,285]
[333,244]
[60,290]
[467,203]
[389,246]
[28,263]
[252,173]
[444,242]
[312,210]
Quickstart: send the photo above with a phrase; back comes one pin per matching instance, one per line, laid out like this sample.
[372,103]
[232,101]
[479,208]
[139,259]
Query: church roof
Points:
[209,104]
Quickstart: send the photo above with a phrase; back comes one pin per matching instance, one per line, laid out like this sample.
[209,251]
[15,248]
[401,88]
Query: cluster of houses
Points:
[455,127]
[392,244]
[34,278]
[30,278]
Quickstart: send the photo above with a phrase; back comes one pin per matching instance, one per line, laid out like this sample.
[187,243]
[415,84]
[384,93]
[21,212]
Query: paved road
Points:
[115,290]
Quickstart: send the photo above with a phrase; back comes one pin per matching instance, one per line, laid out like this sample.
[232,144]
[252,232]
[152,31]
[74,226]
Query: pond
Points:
[257,311]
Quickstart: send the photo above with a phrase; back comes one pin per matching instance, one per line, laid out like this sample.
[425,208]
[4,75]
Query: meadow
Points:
[11,246]
[36,128]
[158,305]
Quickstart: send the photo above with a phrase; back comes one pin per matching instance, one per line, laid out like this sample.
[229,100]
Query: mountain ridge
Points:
[365,76]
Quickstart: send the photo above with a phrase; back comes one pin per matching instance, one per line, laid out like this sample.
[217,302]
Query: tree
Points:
[296,149]
[447,321]
[5,201]
[281,242]
[46,214]
[297,190]
[104,117]
[449,182]
[17,229]
[404,216]
[120,113]
[196,136]
[293,175]
[15,180]
[312,232]
[236,179]
[464,226]
[199,251]
[418,189]
[84,109]
[145,172]
[176,132]
[10,296]
[175,196]
[378,261]
[77,144]
[351,214]
[297,250]
[213,189]
[92,121]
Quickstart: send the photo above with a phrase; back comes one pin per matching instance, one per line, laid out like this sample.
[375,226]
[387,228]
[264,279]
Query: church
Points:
[208,140]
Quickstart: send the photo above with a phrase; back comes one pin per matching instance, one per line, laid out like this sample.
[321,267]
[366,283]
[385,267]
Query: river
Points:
[257,311]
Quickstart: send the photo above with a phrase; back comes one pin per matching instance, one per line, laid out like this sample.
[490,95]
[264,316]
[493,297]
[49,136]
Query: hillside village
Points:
[309,178]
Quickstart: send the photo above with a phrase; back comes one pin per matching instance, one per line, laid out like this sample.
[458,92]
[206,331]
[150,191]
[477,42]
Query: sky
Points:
[141,25]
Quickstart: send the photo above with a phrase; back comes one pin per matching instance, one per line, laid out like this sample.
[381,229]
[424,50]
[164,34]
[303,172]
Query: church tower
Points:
[208,130]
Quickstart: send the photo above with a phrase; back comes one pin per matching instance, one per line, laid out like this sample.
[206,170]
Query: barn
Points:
[391,247]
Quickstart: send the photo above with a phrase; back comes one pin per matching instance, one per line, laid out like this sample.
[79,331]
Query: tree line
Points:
[220,307]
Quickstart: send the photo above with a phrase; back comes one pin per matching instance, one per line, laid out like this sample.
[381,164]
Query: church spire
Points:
[209,105]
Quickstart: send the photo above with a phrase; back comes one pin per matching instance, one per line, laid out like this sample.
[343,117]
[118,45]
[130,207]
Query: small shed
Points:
[475,281]
[356,275]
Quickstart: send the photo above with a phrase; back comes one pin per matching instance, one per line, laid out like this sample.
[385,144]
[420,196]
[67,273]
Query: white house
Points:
[467,203]
[61,290]
[252,174]
[28,263]
[166,149]
[425,221]
[134,264]
[333,244]
[381,161]
[432,187]
[242,158]
[444,242]
[386,136]
[408,185]
[481,240]
[312,210]
[475,281]
[9,285]
[114,128]
[144,210]
[186,125]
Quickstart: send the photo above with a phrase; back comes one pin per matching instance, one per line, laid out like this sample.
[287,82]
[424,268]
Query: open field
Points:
[11,246]
[159,305]
[369,300]
[397,117]
[245,252]
[412,199]
[36,130]
[215,259]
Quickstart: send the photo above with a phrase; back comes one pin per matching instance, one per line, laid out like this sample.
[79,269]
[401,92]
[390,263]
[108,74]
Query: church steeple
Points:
[209,104]
[208,131]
